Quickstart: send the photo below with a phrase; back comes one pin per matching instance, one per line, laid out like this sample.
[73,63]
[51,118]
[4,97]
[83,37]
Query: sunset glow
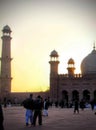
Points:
[40,26]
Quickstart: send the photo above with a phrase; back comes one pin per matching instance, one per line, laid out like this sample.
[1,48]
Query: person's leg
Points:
[35,117]
[74,110]
[78,110]
[46,112]
[40,117]
[31,119]
[27,118]
[1,126]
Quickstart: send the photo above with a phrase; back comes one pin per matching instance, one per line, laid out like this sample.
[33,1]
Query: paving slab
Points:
[58,119]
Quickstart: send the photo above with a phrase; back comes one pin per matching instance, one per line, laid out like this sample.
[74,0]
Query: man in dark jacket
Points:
[28,104]
[76,106]
[1,118]
[38,106]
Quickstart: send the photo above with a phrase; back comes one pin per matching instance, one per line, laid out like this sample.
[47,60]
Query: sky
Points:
[40,26]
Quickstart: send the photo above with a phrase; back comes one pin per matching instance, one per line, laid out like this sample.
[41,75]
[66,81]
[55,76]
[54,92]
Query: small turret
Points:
[71,67]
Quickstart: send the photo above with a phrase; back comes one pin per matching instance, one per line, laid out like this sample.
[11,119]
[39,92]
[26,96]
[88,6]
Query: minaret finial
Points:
[94,45]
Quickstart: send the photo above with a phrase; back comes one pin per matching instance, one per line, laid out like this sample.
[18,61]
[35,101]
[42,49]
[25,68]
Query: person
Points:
[38,106]
[92,104]
[5,102]
[1,118]
[29,110]
[46,106]
[76,106]
[82,104]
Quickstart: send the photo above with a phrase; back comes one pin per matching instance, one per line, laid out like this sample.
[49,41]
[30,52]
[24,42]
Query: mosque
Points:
[71,86]
[66,87]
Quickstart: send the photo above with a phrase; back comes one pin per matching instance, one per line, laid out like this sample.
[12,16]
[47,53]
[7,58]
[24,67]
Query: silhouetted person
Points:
[28,104]
[82,104]
[46,106]
[1,118]
[62,104]
[38,106]
[92,105]
[56,104]
[5,102]
[76,106]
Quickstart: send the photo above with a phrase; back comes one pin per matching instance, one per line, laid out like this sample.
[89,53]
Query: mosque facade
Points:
[66,87]
[71,86]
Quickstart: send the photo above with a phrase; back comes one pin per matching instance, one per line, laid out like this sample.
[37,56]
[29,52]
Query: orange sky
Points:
[40,26]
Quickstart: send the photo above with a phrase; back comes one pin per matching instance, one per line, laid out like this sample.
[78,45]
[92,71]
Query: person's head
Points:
[39,96]
[31,95]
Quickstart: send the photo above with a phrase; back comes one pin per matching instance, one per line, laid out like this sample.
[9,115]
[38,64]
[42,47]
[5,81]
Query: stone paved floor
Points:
[58,119]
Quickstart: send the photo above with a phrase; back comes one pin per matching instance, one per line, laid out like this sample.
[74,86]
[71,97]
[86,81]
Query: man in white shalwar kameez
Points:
[29,114]
[46,105]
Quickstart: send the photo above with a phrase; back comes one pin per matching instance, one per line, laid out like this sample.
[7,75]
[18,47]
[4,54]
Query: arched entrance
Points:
[75,95]
[86,95]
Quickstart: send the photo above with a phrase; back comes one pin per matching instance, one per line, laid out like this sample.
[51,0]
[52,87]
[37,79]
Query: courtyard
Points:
[58,119]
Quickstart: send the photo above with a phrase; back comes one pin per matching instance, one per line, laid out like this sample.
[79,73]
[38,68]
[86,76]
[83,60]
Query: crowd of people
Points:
[40,106]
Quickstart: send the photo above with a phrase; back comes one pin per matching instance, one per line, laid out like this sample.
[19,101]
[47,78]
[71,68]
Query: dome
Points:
[6,29]
[54,54]
[71,61]
[88,65]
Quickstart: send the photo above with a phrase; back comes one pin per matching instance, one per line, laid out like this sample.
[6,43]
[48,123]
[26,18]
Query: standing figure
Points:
[28,104]
[46,106]
[82,104]
[76,106]
[38,106]
[92,104]
[5,102]
[1,118]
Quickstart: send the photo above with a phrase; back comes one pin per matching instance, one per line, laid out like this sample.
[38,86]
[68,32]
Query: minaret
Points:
[54,63]
[54,75]
[6,61]
[71,67]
